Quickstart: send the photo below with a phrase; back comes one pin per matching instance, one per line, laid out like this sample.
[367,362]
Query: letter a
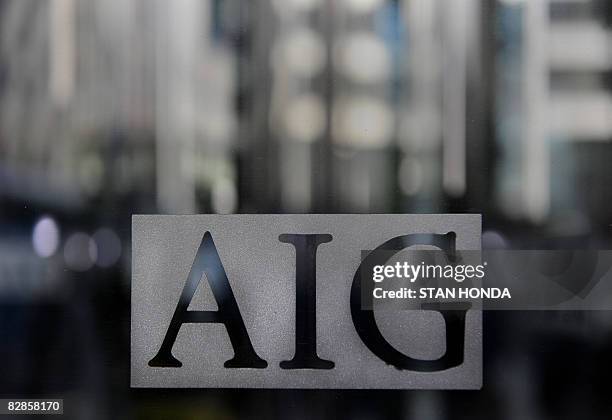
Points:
[207,261]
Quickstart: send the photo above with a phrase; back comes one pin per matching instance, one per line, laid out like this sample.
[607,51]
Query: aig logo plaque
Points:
[273,301]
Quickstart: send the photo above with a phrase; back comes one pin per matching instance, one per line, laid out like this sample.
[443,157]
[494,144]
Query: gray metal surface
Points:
[261,271]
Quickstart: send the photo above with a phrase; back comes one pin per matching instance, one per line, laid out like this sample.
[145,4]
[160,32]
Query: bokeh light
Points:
[45,237]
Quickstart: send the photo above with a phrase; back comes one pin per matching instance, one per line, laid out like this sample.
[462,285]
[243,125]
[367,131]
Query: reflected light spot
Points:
[363,122]
[302,52]
[305,118]
[364,58]
[80,252]
[45,237]
[108,247]
[492,239]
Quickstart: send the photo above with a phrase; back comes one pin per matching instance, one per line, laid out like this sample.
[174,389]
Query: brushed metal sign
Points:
[273,301]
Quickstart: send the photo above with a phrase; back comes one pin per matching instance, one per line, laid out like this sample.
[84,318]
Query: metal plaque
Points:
[273,301]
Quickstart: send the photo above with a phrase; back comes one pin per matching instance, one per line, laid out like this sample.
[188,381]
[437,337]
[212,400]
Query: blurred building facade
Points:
[308,106]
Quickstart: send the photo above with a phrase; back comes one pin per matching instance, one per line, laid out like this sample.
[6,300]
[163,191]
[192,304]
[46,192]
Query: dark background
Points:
[114,107]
